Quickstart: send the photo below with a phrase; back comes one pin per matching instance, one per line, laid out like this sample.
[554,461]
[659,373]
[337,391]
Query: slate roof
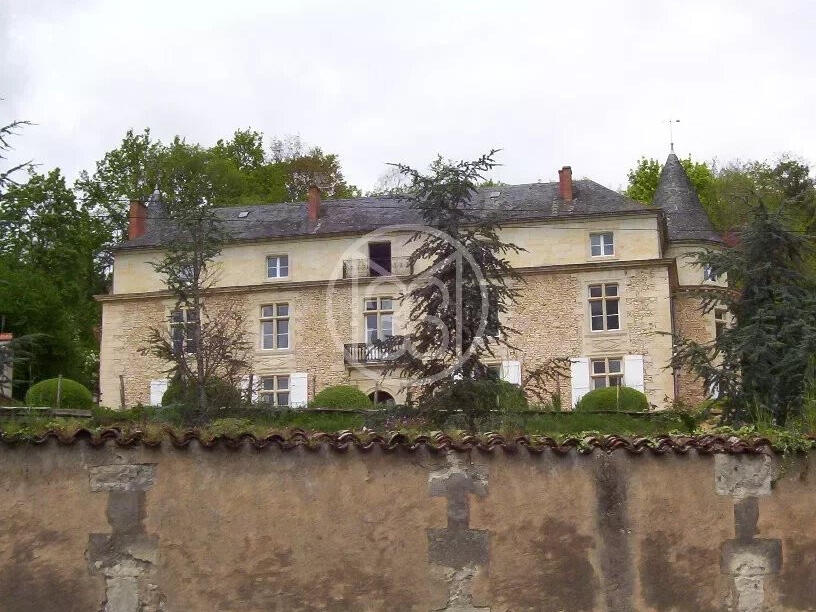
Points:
[509,203]
[686,219]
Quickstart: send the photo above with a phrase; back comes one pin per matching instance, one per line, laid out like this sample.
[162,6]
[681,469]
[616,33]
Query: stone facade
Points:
[691,323]
[163,529]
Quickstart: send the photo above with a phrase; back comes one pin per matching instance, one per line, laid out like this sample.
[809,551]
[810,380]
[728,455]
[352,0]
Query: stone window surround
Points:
[607,373]
[262,392]
[602,243]
[604,299]
[170,312]
[277,279]
[378,312]
[262,320]
[588,238]
[596,278]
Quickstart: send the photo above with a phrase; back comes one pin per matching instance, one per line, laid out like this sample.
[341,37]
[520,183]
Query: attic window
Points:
[243,214]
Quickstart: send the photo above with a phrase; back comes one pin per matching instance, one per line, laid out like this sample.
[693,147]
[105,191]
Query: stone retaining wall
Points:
[148,529]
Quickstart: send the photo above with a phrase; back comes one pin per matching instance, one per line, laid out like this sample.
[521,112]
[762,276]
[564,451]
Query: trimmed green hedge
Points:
[618,399]
[220,394]
[72,395]
[341,396]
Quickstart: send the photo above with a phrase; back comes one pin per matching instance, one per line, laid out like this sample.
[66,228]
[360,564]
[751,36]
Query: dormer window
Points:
[277,266]
[601,244]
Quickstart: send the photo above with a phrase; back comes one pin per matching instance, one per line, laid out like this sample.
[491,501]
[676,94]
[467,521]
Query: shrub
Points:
[470,403]
[618,399]
[72,394]
[341,396]
[220,394]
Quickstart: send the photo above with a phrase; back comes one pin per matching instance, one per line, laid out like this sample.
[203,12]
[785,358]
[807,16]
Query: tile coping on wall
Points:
[436,442]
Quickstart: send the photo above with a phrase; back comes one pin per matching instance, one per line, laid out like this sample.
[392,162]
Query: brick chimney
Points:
[136,219]
[565,183]
[313,205]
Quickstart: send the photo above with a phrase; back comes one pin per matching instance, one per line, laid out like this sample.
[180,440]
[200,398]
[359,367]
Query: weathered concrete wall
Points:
[144,530]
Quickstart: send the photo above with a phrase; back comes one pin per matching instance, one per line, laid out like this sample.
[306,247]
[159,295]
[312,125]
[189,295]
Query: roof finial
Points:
[671,133]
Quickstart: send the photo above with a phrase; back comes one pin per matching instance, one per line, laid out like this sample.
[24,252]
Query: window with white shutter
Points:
[579,378]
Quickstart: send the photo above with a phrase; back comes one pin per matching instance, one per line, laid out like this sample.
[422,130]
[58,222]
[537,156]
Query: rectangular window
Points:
[601,244]
[720,322]
[607,372]
[275,326]
[275,390]
[379,319]
[379,258]
[603,307]
[277,266]
[182,330]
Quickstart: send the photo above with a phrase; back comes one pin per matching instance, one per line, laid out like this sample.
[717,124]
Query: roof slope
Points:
[686,219]
[508,203]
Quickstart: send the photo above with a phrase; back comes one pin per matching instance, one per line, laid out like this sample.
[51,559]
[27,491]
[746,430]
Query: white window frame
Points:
[604,299]
[379,311]
[278,266]
[720,321]
[280,385]
[275,319]
[183,324]
[604,240]
[608,374]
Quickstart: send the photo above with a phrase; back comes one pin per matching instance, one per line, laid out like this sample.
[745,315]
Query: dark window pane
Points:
[612,307]
[612,290]
[595,291]
[596,308]
[599,383]
[614,366]
[612,322]
[598,366]
[597,323]
[283,399]
[283,382]
[267,311]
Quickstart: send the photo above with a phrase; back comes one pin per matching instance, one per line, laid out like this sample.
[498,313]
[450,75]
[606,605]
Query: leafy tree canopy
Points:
[729,193]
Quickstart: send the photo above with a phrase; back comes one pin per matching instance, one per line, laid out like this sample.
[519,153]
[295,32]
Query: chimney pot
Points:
[136,219]
[313,205]
[565,183]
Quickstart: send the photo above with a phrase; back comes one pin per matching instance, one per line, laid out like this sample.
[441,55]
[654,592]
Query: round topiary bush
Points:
[619,399]
[220,394]
[341,396]
[72,394]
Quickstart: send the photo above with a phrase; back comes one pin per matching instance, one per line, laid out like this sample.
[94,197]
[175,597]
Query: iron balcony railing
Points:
[384,266]
[360,353]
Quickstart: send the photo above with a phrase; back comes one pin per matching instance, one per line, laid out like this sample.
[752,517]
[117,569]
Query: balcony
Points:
[373,267]
[360,353]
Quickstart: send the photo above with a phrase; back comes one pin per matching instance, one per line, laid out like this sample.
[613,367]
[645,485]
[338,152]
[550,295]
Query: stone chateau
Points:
[317,283]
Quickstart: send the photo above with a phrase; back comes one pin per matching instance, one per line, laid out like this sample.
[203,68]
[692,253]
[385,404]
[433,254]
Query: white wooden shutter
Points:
[633,371]
[511,372]
[157,389]
[298,389]
[579,377]
[253,397]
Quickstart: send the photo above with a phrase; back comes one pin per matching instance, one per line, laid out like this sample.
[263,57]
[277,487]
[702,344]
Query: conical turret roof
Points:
[685,216]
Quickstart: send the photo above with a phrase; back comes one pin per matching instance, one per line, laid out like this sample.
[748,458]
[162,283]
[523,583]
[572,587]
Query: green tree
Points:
[456,305]
[212,338]
[761,360]
[50,273]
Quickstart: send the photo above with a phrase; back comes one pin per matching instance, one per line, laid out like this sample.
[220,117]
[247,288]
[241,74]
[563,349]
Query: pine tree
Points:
[760,361]
[456,304]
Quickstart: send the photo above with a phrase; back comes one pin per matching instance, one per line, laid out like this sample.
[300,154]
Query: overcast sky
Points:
[589,84]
